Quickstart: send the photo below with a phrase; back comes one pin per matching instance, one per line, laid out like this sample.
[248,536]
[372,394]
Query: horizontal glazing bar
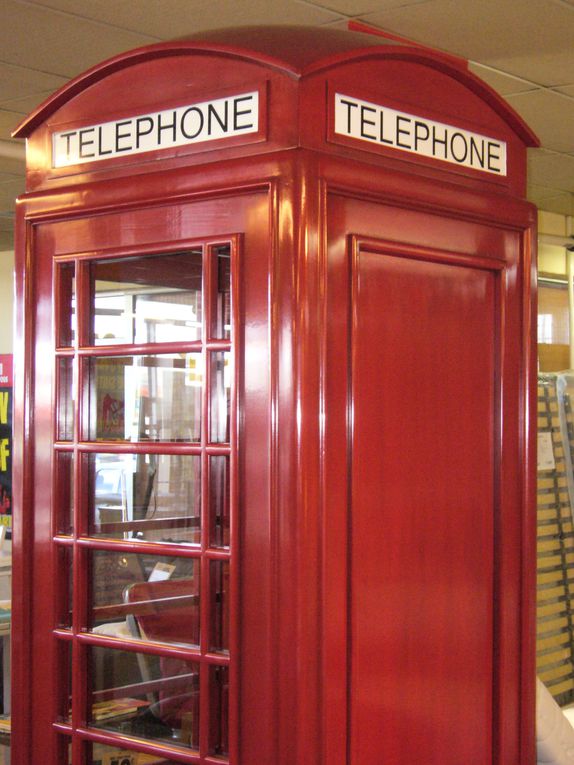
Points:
[151,647]
[146,548]
[134,447]
[140,349]
[63,634]
[124,741]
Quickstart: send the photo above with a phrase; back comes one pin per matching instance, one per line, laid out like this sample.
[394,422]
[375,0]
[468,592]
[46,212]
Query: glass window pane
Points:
[65,586]
[221,296]
[219,616]
[220,397]
[553,327]
[145,597]
[64,492]
[64,701]
[150,299]
[65,305]
[155,698]
[146,398]
[219,711]
[65,399]
[154,497]
[219,500]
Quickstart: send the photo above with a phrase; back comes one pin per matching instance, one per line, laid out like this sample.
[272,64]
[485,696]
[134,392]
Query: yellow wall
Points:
[6,301]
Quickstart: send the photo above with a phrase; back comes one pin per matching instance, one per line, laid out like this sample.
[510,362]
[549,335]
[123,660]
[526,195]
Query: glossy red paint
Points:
[382,541]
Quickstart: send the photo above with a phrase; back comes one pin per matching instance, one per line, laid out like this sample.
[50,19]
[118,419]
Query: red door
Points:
[422,562]
[132,486]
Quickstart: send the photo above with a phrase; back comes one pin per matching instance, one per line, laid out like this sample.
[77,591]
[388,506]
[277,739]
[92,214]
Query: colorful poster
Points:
[6,442]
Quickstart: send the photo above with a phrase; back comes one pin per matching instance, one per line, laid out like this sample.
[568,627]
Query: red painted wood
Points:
[422,510]
[356,636]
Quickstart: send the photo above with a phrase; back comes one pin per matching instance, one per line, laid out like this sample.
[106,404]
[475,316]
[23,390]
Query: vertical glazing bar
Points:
[232,705]
[204,614]
[79,594]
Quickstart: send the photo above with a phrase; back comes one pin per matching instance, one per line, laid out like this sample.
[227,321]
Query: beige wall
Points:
[6,300]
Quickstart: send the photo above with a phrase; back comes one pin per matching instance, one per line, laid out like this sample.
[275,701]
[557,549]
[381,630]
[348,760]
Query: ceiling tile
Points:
[550,115]
[551,200]
[165,19]
[361,7]
[551,169]
[567,90]
[17,82]
[58,43]
[528,38]
[8,121]
[9,190]
[504,84]
[26,105]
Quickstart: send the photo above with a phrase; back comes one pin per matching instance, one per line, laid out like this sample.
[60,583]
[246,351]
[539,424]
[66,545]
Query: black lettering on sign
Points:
[458,147]
[205,121]
[237,113]
[493,157]
[476,151]
[350,105]
[439,137]
[144,126]
[366,121]
[401,131]
[85,142]
[382,122]
[222,120]
[121,135]
[168,126]
[101,150]
[422,133]
[190,118]
[386,126]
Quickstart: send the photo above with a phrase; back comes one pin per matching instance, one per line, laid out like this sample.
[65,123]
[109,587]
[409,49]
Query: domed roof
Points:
[298,51]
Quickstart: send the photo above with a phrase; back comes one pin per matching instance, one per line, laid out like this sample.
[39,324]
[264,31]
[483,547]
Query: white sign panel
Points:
[205,121]
[381,125]
[546,459]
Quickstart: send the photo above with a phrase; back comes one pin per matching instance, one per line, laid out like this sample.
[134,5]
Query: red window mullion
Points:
[232,706]
[204,612]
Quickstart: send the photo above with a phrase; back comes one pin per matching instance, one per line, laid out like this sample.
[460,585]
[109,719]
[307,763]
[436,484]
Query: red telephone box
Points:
[274,423]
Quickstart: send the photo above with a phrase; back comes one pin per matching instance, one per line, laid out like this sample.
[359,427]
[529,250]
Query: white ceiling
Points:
[523,48]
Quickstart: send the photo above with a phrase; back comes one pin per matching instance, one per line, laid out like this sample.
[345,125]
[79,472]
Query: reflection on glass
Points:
[108,755]
[63,750]
[219,500]
[156,497]
[219,711]
[146,398]
[64,701]
[155,698]
[65,305]
[219,612]
[150,299]
[64,492]
[221,301]
[66,584]
[145,597]
[65,399]
[220,397]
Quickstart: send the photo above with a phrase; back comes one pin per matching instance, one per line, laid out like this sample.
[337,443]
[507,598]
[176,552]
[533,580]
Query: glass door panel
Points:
[144,454]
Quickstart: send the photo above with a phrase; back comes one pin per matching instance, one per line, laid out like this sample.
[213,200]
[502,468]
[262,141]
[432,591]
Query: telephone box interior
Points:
[273,411]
